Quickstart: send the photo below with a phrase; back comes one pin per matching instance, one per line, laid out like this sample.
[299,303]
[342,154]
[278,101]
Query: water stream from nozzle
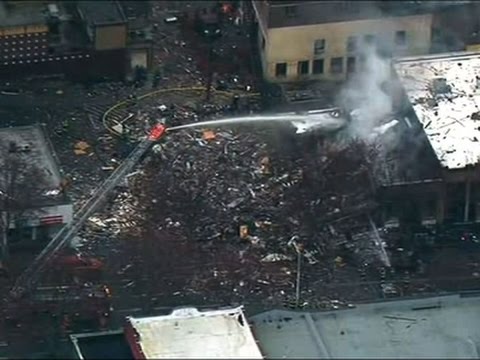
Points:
[302,122]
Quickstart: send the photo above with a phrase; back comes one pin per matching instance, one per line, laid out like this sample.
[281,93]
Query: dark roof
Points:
[135,9]
[285,13]
[101,12]
[26,14]
[103,346]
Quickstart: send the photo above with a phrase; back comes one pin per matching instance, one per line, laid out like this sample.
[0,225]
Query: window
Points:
[281,69]
[317,66]
[303,67]
[291,11]
[400,38]
[351,64]
[369,39]
[351,43]
[336,65]
[319,47]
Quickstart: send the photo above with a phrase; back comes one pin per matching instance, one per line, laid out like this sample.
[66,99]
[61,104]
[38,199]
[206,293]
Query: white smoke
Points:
[365,96]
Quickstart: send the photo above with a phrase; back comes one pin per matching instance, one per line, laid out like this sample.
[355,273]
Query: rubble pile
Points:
[241,206]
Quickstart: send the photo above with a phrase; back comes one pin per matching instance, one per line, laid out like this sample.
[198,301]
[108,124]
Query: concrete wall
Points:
[293,44]
[111,37]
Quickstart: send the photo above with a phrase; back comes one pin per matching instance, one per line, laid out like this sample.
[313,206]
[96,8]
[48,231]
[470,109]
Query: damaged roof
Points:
[436,327]
[32,144]
[445,94]
[189,333]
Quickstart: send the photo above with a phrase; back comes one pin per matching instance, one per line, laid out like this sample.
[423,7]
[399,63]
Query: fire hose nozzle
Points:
[157,132]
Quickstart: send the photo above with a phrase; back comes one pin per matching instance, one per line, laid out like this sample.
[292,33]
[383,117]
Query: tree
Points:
[22,186]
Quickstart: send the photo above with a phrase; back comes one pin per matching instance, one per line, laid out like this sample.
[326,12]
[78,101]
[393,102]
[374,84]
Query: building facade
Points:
[306,40]
[140,37]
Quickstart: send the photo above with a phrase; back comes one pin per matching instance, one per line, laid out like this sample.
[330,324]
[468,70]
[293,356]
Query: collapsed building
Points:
[441,106]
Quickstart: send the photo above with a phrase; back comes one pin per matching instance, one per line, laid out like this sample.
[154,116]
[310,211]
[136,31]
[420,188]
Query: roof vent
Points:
[440,86]
[13,147]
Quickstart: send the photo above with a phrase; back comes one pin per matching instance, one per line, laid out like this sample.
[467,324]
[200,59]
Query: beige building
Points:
[302,40]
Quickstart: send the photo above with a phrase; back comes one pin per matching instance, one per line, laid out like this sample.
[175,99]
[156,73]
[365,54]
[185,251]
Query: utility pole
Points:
[299,272]
[299,250]
[468,183]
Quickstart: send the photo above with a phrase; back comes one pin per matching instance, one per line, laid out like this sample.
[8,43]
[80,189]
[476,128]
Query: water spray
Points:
[328,120]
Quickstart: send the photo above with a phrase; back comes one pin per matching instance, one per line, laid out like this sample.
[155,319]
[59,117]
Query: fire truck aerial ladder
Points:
[28,279]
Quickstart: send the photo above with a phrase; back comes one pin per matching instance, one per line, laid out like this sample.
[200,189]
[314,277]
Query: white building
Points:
[49,212]
[189,333]
[186,333]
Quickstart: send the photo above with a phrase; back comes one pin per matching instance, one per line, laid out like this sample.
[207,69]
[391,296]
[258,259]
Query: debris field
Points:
[223,214]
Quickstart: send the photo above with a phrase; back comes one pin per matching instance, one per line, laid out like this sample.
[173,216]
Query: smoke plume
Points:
[365,94]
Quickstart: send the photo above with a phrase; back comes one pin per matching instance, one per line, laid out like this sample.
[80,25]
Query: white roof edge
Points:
[187,312]
[436,57]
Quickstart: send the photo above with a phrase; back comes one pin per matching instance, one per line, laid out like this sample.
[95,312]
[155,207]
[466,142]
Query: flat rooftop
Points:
[34,147]
[18,15]
[445,94]
[286,13]
[101,12]
[189,333]
[438,327]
